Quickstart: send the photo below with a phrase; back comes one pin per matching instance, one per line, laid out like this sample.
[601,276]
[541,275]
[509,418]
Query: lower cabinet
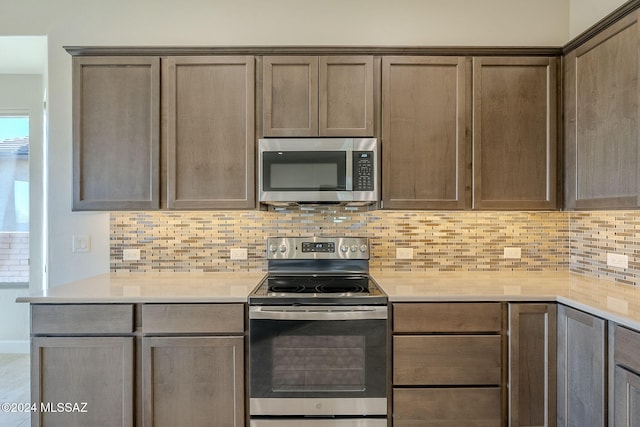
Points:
[82,381]
[448,364]
[582,384]
[532,364]
[146,365]
[626,377]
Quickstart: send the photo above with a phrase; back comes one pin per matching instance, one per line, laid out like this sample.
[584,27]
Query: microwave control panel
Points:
[363,171]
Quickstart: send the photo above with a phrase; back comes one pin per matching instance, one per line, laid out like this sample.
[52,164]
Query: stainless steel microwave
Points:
[318,170]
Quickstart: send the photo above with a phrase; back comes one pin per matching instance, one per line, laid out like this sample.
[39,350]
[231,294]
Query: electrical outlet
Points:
[512,253]
[617,260]
[81,244]
[239,253]
[130,254]
[404,253]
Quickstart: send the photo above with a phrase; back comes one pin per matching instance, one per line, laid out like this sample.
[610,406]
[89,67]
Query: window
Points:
[14,198]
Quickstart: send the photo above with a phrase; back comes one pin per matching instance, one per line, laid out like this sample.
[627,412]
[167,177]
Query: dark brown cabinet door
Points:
[532,365]
[515,133]
[601,119]
[96,371]
[318,96]
[581,369]
[290,96]
[209,133]
[425,106]
[193,381]
[116,144]
[346,96]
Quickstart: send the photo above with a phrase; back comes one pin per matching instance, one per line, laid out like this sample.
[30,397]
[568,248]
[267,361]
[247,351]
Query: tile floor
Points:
[14,388]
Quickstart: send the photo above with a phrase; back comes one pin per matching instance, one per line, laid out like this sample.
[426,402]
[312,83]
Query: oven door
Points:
[318,360]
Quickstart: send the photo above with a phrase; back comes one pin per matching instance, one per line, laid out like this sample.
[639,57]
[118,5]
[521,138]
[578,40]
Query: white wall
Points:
[24,93]
[584,13]
[242,22]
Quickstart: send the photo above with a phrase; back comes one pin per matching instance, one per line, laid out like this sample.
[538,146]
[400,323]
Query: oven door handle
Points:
[317,313]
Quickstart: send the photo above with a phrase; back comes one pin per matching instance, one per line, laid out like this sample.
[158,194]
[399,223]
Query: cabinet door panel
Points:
[95,370]
[346,96]
[447,360]
[194,381]
[290,96]
[425,142]
[116,128]
[209,103]
[627,398]
[602,119]
[447,407]
[447,317]
[581,369]
[514,133]
[532,365]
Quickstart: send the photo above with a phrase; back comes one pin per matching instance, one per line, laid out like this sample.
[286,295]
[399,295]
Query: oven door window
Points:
[304,171]
[318,358]
[318,363]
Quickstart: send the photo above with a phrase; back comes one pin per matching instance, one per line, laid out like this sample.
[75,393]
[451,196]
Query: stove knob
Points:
[283,248]
[272,248]
[363,248]
[354,248]
[344,248]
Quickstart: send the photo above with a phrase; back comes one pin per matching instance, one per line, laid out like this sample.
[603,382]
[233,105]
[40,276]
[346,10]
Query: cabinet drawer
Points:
[447,407]
[193,318]
[447,360]
[627,348]
[77,319]
[447,317]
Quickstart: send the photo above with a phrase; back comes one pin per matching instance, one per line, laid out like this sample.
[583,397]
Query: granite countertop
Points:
[607,299]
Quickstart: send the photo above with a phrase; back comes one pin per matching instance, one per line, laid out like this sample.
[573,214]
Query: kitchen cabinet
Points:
[447,364]
[207,134]
[582,393]
[626,377]
[602,119]
[144,364]
[116,133]
[209,131]
[426,144]
[318,96]
[82,355]
[515,105]
[532,364]
[193,365]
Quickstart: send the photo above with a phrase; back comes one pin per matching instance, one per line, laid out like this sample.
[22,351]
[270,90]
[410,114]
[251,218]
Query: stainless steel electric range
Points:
[318,336]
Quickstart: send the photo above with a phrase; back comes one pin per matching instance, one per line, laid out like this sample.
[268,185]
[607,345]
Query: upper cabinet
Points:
[207,134]
[116,133]
[209,131]
[601,119]
[318,96]
[425,113]
[515,132]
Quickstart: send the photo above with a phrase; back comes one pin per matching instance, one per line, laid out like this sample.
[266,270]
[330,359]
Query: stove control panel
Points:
[317,248]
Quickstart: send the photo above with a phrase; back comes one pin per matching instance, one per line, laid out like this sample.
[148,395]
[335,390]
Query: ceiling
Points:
[23,55]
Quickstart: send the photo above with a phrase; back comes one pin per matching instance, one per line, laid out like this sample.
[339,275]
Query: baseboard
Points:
[13,347]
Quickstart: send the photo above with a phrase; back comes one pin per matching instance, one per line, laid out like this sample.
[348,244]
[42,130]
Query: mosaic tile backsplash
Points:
[594,234]
[441,241]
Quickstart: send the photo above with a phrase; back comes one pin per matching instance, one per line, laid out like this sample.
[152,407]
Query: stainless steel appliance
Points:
[318,170]
[318,337]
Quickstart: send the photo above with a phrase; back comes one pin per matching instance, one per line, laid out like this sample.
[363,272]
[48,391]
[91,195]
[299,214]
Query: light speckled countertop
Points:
[612,301]
[152,287]
[607,299]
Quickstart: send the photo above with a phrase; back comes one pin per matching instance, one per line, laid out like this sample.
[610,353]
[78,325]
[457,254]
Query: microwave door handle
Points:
[349,170]
[295,313]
